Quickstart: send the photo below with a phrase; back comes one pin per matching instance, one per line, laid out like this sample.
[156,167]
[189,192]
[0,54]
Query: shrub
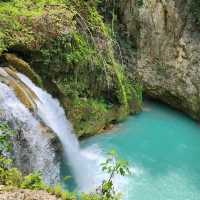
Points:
[112,166]
[33,181]
[5,138]
[60,193]
[9,176]
[13,177]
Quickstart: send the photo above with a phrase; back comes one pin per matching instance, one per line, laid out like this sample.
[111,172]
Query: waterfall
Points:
[35,152]
[52,114]
[32,150]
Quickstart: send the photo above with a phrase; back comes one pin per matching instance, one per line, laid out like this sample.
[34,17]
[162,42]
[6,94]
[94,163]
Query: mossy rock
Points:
[70,47]
[22,67]
[24,94]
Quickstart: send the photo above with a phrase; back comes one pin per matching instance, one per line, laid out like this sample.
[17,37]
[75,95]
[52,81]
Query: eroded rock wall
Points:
[168,47]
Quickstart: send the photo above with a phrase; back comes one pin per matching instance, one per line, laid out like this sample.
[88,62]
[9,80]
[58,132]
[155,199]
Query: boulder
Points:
[26,96]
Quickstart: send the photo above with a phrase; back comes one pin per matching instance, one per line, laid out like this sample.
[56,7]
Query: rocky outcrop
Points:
[31,154]
[22,67]
[168,46]
[71,49]
[26,96]
[22,194]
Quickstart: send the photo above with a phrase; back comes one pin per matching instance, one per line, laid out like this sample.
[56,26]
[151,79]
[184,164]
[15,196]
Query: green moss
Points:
[19,20]
[195,10]
[22,67]
[92,116]
[89,116]
[68,44]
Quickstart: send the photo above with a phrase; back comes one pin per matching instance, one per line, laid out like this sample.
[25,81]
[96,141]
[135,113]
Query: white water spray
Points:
[32,151]
[52,114]
[85,164]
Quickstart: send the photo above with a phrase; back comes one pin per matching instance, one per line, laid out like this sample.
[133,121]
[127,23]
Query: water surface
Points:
[163,148]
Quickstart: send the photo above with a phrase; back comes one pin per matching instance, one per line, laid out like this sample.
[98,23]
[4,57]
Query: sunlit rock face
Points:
[25,95]
[21,66]
[36,146]
[168,47]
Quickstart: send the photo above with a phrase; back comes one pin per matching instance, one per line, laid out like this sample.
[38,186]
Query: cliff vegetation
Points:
[75,56]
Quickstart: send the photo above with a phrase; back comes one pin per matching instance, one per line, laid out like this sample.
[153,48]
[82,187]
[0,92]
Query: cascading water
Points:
[32,151]
[84,163]
[84,170]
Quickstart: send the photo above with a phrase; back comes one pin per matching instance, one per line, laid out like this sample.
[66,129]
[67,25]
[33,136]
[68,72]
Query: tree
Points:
[112,166]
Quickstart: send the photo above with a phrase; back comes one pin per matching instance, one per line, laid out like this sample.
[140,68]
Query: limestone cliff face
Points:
[168,49]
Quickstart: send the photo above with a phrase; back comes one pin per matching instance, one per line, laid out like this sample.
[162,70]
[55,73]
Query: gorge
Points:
[155,174]
[81,77]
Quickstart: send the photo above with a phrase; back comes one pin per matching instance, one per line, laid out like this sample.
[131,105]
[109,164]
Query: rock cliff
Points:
[168,47]
[71,50]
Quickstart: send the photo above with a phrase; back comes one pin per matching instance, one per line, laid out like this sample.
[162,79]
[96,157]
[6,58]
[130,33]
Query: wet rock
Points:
[26,96]
[23,67]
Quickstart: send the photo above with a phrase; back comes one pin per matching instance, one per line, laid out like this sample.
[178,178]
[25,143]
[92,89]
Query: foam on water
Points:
[172,186]
[163,146]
